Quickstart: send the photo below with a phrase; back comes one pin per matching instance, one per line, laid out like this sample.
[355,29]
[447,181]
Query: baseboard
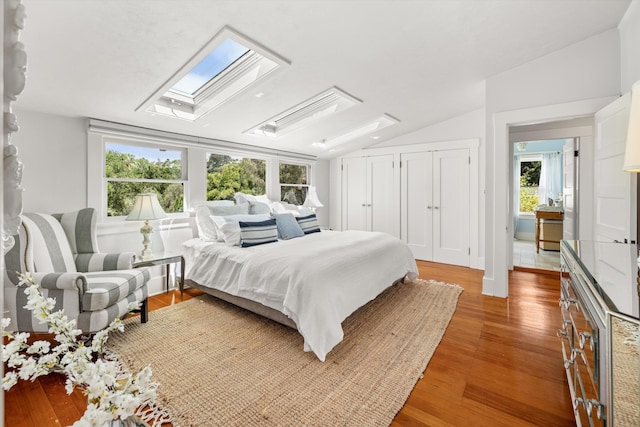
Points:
[526,236]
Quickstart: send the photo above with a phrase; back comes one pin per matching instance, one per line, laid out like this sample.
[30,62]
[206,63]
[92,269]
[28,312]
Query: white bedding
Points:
[317,280]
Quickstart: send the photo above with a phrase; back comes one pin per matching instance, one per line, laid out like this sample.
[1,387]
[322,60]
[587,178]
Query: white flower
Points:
[110,392]
[10,379]
[40,347]
[5,323]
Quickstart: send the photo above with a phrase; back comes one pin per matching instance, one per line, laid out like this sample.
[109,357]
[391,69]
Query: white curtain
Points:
[550,177]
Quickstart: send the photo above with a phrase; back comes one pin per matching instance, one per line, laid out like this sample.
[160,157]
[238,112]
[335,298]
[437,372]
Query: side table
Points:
[163,259]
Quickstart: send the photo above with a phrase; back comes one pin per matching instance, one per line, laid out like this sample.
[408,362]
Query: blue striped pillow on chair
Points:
[309,224]
[258,233]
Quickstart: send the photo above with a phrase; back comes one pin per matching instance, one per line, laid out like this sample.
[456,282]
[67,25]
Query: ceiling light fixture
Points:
[324,104]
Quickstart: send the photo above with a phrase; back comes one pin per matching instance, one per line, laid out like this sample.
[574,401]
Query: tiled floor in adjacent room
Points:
[524,255]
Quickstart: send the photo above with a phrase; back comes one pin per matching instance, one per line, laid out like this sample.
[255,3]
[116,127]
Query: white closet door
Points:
[568,191]
[615,190]
[416,203]
[451,237]
[354,194]
[381,198]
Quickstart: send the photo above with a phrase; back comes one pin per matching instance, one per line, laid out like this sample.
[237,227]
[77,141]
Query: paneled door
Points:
[435,205]
[569,194]
[354,193]
[451,207]
[368,194]
[615,190]
[416,201]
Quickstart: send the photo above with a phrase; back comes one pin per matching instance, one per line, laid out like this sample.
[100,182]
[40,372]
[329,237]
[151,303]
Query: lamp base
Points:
[146,231]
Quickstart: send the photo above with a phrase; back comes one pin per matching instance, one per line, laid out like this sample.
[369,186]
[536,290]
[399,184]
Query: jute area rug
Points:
[221,365]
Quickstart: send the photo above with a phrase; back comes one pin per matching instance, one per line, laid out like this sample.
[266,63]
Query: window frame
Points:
[296,163]
[526,158]
[102,200]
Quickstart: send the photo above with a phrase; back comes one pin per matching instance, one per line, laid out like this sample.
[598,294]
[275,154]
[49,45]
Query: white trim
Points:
[499,245]
[530,237]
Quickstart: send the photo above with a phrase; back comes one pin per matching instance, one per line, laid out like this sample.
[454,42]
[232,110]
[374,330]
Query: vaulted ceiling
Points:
[421,62]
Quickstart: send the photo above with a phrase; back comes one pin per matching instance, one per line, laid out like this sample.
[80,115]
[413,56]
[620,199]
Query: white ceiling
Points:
[419,61]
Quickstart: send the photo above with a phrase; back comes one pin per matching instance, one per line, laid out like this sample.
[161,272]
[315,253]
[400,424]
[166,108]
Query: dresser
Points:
[600,331]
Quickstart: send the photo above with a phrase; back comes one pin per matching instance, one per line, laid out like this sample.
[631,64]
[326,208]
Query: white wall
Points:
[53,150]
[587,70]
[629,28]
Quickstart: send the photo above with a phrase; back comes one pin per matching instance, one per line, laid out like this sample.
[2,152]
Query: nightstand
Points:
[163,259]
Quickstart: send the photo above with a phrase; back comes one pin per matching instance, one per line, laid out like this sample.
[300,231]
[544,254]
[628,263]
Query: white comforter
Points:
[317,280]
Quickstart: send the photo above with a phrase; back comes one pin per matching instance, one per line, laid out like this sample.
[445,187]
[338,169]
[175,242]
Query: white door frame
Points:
[498,243]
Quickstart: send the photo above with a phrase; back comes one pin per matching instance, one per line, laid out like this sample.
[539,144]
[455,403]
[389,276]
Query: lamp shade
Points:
[312,200]
[146,207]
[632,150]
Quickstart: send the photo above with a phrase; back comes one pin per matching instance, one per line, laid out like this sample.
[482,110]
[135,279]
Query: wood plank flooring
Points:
[499,363]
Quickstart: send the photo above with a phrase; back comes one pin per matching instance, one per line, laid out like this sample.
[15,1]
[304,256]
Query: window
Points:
[212,65]
[223,68]
[227,175]
[293,183]
[529,181]
[134,169]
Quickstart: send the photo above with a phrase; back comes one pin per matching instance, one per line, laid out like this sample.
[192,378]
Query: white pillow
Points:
[207,229]
[245,198]
[228,227]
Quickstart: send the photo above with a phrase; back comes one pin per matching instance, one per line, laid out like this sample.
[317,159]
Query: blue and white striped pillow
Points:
[309,224]
[258,233]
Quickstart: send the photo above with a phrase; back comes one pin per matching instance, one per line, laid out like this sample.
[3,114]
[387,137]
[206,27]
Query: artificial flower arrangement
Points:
[112,393]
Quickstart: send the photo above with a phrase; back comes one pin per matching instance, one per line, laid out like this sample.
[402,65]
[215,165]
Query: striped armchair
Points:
[61,253]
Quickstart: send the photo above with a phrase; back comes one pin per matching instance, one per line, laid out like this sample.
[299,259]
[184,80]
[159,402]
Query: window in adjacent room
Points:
[227,175]
[134,169]
[529,181]
[294,180]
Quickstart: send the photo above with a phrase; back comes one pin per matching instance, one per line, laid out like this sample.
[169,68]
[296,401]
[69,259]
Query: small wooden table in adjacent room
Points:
[546,215]
[163,259]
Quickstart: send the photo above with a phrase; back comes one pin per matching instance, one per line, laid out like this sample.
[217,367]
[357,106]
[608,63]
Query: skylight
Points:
[324,104]
[213,64]
[366,128]
[223,68]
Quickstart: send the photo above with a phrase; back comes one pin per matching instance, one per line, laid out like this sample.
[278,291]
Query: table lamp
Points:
[146,207]
[312,201]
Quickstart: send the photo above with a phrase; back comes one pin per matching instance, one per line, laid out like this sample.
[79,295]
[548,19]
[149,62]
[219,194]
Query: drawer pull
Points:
[592,403]
[567,363]
[584,337]
[576,402]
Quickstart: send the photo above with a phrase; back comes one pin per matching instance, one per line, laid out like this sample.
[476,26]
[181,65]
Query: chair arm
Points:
[104,261]
[70,281]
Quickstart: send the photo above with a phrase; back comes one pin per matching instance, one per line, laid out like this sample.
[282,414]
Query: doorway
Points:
[538,212]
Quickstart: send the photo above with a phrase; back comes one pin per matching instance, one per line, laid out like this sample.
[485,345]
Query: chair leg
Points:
[144,311]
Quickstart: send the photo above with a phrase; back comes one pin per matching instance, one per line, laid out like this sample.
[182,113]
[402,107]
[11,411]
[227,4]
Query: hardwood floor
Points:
[499,363]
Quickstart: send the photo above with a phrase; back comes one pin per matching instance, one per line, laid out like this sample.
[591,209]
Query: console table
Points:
[600,331]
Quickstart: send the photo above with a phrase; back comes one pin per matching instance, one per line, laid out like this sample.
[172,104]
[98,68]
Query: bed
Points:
[311,283]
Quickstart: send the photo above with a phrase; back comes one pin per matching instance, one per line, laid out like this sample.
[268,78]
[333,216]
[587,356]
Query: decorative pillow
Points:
[308,224]
[229,229]
[207,228]
[288,227]
[258,233]
[242,209]
[245,198]
[256,208]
